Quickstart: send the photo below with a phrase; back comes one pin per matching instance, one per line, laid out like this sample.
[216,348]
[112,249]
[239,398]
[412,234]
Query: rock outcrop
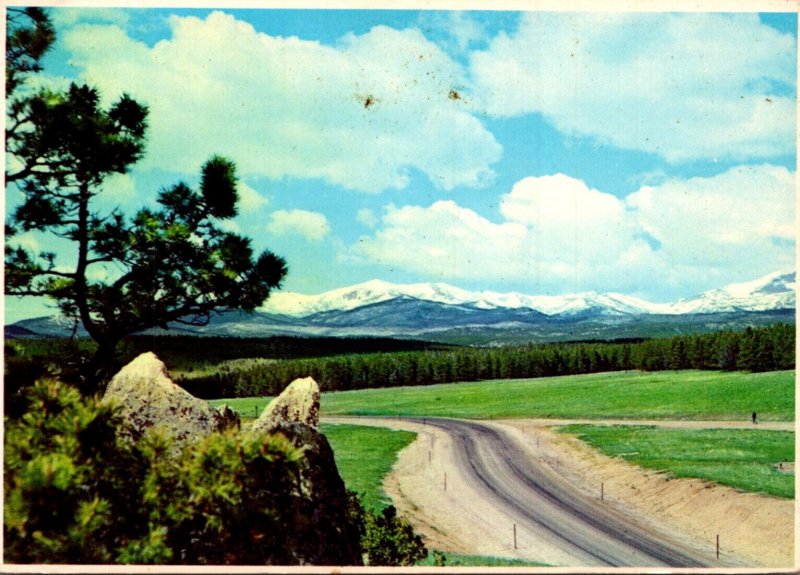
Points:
[323,531]
[331,537]
[298,403]
[147,399]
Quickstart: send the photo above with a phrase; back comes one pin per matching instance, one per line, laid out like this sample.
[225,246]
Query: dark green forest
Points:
[754,349]
[355,363]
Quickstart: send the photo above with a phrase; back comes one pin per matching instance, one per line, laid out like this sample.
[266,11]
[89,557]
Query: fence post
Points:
[602,491]
[515,535]
[717,545]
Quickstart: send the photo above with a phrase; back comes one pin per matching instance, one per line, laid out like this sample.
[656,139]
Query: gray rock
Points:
[328,534]
[148,399]
[298,403]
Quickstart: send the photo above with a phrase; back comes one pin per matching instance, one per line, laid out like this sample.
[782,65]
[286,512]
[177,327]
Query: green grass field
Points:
[364,455]
[247,407]
[455,560]
[632,395]
[742,459]
[745,459]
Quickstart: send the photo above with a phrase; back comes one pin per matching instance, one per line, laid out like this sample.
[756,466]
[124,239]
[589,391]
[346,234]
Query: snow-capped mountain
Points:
[442,312]
[775,291]
[367,293]
[377,291]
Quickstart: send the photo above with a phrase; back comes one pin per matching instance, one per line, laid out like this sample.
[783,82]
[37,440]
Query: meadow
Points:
[679,395]
[745,459]
[741,458]
[684,395]
[364,455]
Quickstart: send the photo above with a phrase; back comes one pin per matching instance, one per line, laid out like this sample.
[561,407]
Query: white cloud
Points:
[66,16]
[444,241]
[683,86]
[559,235]
[736,219]
[229,226]
[249,199]
[27,241]
[367,217]
[457,30]
[360,114]
[311,225]
[559,200]
[119,189]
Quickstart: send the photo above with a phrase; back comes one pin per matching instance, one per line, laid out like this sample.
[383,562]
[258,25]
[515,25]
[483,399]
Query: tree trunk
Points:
[101,367]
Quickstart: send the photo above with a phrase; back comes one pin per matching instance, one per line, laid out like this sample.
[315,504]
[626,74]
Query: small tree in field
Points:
[116,275]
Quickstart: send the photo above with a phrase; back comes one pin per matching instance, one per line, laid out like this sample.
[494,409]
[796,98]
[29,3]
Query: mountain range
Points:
[441,312]
[775,291]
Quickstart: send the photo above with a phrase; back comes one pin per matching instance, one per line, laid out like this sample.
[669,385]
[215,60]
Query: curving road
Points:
[543,504]
[584,528]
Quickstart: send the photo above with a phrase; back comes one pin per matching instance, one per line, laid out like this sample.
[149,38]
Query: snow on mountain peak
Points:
[776,282]
[774,291]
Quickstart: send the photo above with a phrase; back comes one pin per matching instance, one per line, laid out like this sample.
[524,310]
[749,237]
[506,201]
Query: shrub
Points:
[67,481]
[75,493]
[390,540]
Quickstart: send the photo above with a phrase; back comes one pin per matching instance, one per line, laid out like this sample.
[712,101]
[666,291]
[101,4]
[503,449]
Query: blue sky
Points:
[546,153]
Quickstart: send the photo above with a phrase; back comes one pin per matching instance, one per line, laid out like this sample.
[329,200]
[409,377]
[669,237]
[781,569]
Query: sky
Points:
[650,154]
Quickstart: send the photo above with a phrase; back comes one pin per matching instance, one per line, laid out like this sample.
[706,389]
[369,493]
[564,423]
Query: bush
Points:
[390,540]
[67,482]
[74,493]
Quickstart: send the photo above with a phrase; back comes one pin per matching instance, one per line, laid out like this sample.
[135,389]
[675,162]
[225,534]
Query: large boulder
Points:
[299,403]
[327,533]
[148,399]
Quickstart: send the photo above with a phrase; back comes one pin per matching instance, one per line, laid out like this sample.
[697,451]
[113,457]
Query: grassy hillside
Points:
[364,455]
[633,395]
[741,458]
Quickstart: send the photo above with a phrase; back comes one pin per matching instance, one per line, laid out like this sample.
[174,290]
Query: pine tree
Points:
[170,264]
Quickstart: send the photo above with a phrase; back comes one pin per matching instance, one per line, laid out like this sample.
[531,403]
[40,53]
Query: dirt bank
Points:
[758,528]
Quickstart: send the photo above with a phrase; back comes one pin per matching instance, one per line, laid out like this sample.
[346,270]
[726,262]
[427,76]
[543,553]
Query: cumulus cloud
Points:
[66,16]
[249,199]
[456,30]
[736,219]
[27,241]
[119,188]
[360,114]
[367,217]
[313,226]
[443,241]
[683,86]
[559,235]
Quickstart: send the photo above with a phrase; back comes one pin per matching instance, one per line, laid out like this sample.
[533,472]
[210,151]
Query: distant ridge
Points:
[440,312]
[774,291]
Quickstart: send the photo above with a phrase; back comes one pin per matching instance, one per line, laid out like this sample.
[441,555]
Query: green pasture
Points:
[741,458]
[688,395]
[246,407]
[364,455]
[746,459]
[456,560]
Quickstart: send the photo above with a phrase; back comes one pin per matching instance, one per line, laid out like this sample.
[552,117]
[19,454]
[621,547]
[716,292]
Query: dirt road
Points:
[485,488]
